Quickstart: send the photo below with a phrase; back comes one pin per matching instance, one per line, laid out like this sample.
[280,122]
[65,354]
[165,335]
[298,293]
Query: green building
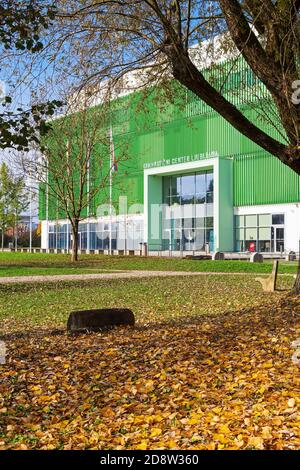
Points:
[190,183]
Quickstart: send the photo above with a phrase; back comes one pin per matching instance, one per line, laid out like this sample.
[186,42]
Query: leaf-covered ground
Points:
[195,381]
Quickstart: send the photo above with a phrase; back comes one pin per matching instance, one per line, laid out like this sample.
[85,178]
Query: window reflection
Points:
[188,225]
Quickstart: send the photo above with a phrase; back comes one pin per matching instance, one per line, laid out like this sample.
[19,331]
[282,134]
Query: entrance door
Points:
[277,240]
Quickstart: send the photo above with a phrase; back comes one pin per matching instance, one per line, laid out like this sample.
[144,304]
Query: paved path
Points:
[116,275]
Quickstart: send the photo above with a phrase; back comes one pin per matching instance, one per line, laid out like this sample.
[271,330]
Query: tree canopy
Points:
[177,38]
[21,25]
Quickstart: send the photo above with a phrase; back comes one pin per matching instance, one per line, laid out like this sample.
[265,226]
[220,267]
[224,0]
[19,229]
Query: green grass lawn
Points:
[156,300]
[25,264]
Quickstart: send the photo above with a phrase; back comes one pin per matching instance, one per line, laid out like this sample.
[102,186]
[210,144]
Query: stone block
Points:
[291,256]
[218,256]
[256,258]
[96,320]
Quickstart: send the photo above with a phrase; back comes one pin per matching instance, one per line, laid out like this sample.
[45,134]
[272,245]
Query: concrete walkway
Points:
[116,275]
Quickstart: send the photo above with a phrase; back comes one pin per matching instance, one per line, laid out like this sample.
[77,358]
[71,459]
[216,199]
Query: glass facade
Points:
[262,232]
[125,235]
[188,223]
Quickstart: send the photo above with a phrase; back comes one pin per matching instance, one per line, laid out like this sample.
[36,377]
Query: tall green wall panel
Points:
[262,179]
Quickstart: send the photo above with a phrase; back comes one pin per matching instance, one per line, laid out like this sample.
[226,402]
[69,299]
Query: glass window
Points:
[190,217]
[251,233]
[240,245]
[210,182]
[209,198]
[209,222]
[239,221]
[201,183]
[199,240]
[188,223]
[200,221]
[187,199]
[166,188]
[188,185]
[264,220]
[264,246]
[251,220]
[240,234]
[210,238]
[174,200]
[175,186]
[250,245]
[200,198]
[265,233]
[278,219]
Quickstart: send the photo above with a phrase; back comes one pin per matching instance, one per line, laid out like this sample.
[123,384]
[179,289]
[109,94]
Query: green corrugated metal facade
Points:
[186,126]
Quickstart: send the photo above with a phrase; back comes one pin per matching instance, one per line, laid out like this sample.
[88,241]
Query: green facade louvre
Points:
[262,179]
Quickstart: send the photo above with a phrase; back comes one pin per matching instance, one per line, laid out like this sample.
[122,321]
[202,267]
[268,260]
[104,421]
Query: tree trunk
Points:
[75,227]
[2,238]
[296,289]
[16,237]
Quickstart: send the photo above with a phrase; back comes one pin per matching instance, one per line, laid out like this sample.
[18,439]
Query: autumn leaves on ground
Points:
[208,366]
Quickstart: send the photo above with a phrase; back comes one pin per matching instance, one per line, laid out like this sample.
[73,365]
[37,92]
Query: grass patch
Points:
[154,300]
[25,264]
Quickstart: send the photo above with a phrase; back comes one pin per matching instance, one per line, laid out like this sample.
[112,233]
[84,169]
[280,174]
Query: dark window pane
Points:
[210,198]
[175,185]
[264,246]
[250,245]
[278,219]
[187,199]
[210,182]
[200,198]
[280,233]
[174,200]
[210,238]
[166,188]
[209,222]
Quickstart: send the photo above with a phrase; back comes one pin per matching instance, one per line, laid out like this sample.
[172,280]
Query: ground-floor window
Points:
[59,236]
[259,232]
[124,234]
[188,223]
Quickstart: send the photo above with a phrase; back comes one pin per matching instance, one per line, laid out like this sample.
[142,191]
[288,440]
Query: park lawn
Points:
[26,264]
[208,366]
[153,300]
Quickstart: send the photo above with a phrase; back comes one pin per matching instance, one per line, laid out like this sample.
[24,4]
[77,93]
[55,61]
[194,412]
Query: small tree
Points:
[19,203]
[13,200]
[6,213]
[75,165]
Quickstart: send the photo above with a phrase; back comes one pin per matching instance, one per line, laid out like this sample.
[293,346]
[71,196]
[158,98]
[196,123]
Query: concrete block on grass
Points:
[86,321]
[256,258]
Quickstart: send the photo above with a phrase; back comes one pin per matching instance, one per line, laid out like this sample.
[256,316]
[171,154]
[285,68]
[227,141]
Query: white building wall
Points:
[44,237]
[291,212]
[292,220]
